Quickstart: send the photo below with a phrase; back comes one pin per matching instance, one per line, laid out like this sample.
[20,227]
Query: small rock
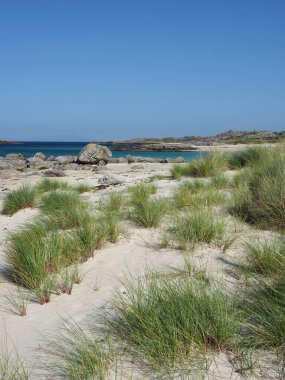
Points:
[101,163]
[62,160]
[38,163]
[40,155]
[137,167]
[113,160]
[14,156]
[50,158]
[54,173]
[175,160]
[108,180]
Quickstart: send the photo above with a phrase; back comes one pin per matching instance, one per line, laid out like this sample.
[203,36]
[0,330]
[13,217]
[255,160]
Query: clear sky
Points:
[77,70]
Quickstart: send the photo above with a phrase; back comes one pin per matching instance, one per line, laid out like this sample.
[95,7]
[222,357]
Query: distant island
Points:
[192,142]
[8,142]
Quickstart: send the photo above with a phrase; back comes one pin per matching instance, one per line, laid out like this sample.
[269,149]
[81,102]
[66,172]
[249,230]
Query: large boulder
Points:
[93,153]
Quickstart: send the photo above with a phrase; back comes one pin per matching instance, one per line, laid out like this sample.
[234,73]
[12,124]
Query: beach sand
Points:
[131,256]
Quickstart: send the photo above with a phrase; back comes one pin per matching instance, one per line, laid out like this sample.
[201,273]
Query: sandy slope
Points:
[131,256]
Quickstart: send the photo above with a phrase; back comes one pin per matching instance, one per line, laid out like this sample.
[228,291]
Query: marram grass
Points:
[24,196]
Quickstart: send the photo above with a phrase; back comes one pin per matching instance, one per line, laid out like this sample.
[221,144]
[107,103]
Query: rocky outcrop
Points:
[93,153]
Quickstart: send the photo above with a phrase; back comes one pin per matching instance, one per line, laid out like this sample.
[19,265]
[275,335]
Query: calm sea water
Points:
[28,149]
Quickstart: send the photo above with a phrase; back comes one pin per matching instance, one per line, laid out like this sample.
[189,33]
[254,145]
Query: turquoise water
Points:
[28,149]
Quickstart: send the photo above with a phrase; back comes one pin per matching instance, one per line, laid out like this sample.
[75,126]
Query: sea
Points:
[30,148]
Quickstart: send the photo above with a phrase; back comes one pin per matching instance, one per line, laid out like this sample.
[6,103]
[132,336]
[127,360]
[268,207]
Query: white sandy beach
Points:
[131,256]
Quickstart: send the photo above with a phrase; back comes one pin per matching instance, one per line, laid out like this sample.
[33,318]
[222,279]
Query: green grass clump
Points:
[178,171]
[149,212]
[168,323]
[199,226]
[141,192]
[82,188]
[50,185]
[113,203]
[18,199]
[265,307]
[64,210]
[56,201]
[210,165]
[260,195]
[245,157]
[79,355]
[12,366]
[197,197]
[33,255]
[265,257]
[220,182]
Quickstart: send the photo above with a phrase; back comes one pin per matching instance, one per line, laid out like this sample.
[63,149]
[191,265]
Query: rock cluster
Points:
[92,156]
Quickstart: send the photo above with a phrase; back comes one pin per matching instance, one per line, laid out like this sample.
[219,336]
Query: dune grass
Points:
[18,199]
[260,195]
[245,157]
[141,192]
[113,203]
[168,323]
[11,366]
[210,165]
[189,196]
[265,257]
[78,355]
[50,185]
[149,212]
[198,226]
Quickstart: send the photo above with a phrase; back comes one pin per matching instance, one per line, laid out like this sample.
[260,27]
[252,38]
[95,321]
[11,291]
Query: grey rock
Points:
[18,164]
[14,156]
[101,163]
[40,155]
[62,160]
[137,167]
[108,180]
[175,160]
[113,160]
[13,164]
[93,153]
[5,165]
[133,159]
[38,163]
[54,173]
[50,158]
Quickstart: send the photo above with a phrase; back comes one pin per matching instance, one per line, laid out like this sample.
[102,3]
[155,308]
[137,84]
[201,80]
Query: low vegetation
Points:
[199,226]
[168,323]
[77,354]
[18,199]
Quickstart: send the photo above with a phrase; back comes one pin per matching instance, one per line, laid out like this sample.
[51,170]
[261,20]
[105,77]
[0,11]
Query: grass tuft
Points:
[170,322]
[18,199]
[77,354]
[199,226]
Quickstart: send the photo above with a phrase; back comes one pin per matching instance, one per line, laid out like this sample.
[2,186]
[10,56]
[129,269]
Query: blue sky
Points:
[78,70]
